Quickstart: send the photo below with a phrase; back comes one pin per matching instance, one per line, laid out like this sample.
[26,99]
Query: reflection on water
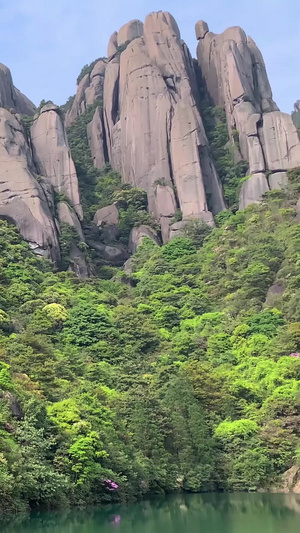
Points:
[197,513]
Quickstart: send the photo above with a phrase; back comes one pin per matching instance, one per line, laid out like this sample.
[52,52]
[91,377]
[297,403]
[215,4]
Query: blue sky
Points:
[46,42]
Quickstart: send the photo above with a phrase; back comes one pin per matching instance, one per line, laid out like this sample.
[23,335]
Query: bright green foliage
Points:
[81,154]
[231,174]
[187,378]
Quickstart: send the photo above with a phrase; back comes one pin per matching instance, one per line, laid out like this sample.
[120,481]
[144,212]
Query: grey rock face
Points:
[112,45]
[281,141]
[12,98]
[130,31]
[253,189]
[68,216]
[108,215]
[236,79]
[154,130]
[137,235]
[89,90]
[95,133]
[279,180]
[166,208]
[201,29]
[52,155]
[22,199]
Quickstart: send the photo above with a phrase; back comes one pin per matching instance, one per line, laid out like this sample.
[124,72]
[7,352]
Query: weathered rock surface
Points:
[22,199]
[52,156]
[253,189]
[279,180]
[66,215]
[154,130]
[290,481]
[137,235]
[166,208]
[281,141]
[236,79]
[89,91]
[96,138]
[108,215]
[12,98]
[112,44]
[130,31]
[78,263]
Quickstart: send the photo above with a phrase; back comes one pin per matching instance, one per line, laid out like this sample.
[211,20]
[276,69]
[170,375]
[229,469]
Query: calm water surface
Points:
[208,513]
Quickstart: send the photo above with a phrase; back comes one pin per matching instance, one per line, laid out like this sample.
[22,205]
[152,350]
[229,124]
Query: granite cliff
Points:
[147,103]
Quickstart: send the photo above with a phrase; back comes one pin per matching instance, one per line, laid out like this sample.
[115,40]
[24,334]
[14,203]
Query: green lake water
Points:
[199,513]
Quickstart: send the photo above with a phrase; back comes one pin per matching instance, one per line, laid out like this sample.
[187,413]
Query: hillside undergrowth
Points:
[186,376]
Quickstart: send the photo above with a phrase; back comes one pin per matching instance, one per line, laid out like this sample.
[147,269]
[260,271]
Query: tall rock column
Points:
[89,91]
[234,72]
[23,201]
[52,156]
[154,130]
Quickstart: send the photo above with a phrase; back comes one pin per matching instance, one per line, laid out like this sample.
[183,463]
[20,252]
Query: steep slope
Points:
[23,200]
[185,377]
[89,90]
[154,130]
[159,119]
[36,171]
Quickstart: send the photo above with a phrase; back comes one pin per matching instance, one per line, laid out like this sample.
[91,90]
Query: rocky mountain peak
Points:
[155,116]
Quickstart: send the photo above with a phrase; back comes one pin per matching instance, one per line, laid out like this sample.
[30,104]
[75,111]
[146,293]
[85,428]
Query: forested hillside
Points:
[183,375]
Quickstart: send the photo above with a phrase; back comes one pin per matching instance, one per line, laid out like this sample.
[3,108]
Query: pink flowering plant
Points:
[111,485]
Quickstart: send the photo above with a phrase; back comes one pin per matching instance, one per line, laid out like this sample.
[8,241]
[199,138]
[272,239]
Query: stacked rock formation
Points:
[154,131]
[89,90]
[33,167]
[23,201]
[236,79]
[147,124]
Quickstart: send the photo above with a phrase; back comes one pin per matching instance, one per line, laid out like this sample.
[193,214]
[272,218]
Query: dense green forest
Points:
[184,375]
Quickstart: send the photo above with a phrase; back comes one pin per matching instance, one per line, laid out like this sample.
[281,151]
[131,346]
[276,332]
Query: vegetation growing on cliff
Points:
[187,377]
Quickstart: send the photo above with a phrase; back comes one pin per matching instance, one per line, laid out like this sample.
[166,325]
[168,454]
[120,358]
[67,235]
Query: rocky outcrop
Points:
[154,130]
[130,31]
[290,481]
[235,76]
[108,215]
[112,45]
[96,138]
[280,142]
[22,198]
[253,189]
[137,235]
[107,221]
[66,215]
[10,97]
[89,91]
[52,156]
